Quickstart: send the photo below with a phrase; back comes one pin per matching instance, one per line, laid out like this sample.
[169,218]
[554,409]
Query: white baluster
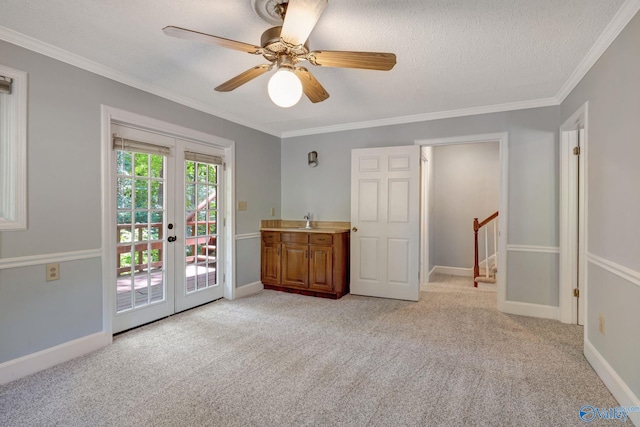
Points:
[486,252]
[495,242]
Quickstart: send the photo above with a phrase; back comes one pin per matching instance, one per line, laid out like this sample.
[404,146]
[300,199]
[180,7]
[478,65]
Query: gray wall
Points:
[466,186]
[65,197]
[612,88]
[532,182]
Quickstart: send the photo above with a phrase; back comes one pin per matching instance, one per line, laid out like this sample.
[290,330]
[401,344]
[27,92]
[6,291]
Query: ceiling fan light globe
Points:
[285,88]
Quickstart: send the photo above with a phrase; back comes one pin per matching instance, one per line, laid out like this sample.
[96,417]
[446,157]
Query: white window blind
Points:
[125,144]
[13,149]
[5,84]
[203,158]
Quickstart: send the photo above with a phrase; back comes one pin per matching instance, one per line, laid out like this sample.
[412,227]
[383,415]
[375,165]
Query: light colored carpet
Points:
[278,359]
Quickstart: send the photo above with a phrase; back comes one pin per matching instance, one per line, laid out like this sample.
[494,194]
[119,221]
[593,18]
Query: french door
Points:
[168,199]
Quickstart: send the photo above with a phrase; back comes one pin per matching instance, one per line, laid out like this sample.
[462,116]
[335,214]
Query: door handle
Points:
[354,229]
[173,238]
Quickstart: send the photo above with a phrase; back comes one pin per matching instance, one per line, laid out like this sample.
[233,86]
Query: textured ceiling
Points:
[452,54]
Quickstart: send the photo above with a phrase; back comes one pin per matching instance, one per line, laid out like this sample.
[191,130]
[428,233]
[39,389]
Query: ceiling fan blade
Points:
[365,60]
[243,78]
[300,19]
[183,33]
[310,86]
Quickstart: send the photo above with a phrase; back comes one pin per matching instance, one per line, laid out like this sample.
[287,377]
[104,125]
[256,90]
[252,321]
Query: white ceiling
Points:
[453,55]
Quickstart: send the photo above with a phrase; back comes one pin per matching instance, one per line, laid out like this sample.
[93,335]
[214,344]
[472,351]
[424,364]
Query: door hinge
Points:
[224,278]
[224,222]
[224,166]
[576,293]
[576,151]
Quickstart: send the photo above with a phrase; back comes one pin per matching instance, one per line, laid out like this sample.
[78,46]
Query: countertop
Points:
[295,226]
[305,230]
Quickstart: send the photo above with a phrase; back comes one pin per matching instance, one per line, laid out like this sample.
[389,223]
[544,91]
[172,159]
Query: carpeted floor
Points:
[278,359]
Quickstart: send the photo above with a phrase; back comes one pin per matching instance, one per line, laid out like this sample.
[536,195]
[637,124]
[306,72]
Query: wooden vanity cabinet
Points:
[295,264]
[309,263]
[270,258]
[321,268]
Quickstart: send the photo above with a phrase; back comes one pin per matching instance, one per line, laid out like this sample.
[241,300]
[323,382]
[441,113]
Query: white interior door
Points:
[573,197]
[168,243]
[385,220]
[581,232]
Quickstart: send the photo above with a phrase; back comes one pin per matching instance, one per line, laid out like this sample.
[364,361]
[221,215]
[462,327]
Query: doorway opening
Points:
[438,241]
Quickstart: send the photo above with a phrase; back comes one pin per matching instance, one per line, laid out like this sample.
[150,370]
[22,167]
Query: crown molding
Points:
[615,27]
[473,111]
[65,56]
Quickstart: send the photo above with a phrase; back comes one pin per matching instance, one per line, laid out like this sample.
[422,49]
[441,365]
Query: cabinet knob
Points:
[354,229]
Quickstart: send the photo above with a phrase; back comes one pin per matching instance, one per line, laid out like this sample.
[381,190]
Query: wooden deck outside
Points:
[154,282]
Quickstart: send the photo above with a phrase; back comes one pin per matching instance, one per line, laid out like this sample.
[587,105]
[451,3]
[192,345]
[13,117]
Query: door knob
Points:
[355,229]
[173,238]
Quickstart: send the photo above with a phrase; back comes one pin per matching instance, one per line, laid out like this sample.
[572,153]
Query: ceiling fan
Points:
[284,47]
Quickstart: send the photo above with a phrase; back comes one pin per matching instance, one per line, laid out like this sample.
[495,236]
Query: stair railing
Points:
[477,225]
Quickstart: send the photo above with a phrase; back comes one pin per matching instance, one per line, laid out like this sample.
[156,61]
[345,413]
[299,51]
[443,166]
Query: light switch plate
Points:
[273,211]
[242,205]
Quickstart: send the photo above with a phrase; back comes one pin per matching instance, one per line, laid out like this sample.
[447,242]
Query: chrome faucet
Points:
[308,218]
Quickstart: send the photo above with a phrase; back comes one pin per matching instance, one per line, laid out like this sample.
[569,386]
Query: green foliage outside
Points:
[140,179]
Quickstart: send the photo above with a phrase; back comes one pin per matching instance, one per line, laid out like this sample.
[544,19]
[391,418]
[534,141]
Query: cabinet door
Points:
[295,265]
[321,268]
[270,263]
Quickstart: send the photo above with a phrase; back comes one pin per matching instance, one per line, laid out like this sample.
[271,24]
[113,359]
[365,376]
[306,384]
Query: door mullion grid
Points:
[133,230]
[215,187]
[148,212]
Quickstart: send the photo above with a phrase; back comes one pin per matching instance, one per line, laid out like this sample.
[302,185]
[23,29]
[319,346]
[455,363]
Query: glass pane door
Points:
[201,225]
[198,276]
[141,276]
[167,234]
[143,255]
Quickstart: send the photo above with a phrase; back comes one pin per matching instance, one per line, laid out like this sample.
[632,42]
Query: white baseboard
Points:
[35,362]
[454,271]
[250,289]
[531,310]
[612,380]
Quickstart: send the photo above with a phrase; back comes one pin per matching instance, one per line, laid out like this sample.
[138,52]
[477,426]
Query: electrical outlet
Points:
[601,326]
[242,205]
[273,211]
[53,272]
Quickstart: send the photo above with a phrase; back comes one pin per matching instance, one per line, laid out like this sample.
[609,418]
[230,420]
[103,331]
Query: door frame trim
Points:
[111,114]
[567,222]
[426,193]
[503,140]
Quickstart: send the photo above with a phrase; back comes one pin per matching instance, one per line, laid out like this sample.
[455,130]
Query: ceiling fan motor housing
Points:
[274,47]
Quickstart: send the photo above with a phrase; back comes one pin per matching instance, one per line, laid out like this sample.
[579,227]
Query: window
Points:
[13,149]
